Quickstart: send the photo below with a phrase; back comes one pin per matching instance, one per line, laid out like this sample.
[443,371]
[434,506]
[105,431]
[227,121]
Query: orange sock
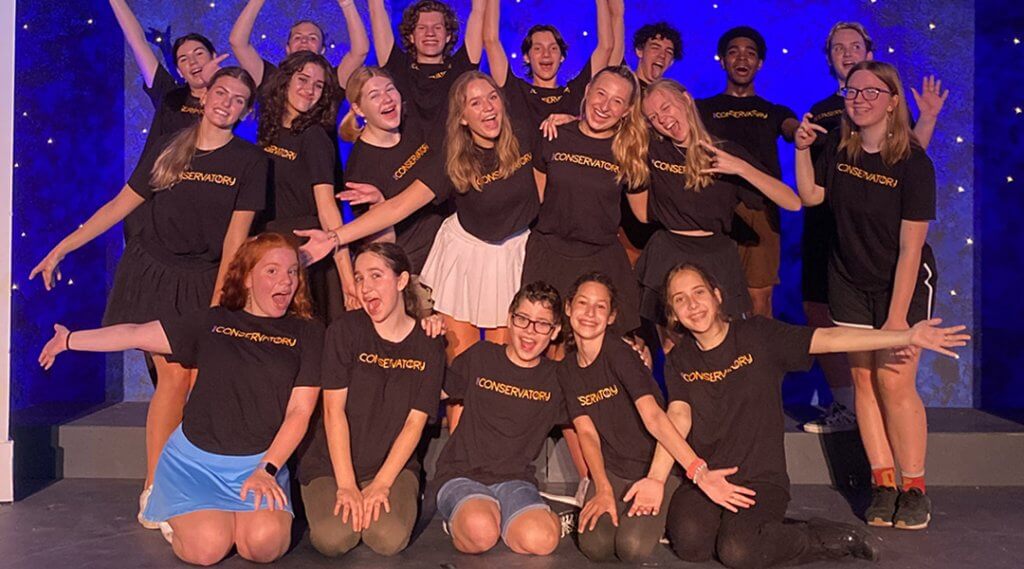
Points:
[886,477]
[913,482]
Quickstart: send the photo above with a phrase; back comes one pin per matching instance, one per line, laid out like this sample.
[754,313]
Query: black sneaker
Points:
[913,510]
[836,540]
[883,506]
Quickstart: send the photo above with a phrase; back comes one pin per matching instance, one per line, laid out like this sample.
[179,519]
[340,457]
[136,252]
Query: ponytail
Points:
[350,129]
[175,158]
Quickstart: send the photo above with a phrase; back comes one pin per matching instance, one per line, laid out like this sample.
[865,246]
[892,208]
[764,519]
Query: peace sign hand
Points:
[806,133]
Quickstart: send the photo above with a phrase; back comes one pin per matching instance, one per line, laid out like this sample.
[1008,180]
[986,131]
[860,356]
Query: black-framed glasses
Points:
[869,94]
[520,320]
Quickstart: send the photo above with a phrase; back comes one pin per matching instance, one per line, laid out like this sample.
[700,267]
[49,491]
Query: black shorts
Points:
[850,306]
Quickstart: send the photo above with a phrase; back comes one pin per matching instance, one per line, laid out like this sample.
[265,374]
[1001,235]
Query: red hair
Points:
[235,294]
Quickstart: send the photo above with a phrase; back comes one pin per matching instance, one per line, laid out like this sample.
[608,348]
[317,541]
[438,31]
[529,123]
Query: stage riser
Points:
[95,450]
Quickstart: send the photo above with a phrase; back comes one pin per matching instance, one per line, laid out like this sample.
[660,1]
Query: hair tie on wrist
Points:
[694,467]
[67,341]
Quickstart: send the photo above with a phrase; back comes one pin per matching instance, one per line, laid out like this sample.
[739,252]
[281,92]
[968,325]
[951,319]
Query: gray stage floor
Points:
[84,524]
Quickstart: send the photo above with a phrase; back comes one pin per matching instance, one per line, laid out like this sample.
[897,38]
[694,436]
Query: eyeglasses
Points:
[869,94]
[539,326]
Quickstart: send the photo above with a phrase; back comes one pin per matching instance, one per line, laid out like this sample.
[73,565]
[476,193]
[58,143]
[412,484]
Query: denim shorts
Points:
[513,498]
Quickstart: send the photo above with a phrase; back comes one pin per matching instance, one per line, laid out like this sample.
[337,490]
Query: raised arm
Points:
[925,334]
[383,35]
[301,403]
[474,40]
[105,217]
[359,43]
[238,232]
[375,495]
[241,32]
[349,500]
[617,13]
[136,38]
[930,100]
[497,59]
[149,337]
[811,194]
[606,39]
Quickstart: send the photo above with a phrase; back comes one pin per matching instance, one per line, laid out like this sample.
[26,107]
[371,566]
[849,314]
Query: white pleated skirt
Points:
[473,280]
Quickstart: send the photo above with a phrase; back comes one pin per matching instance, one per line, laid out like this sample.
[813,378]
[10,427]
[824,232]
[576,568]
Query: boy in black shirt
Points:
[512,400]
[424,67]
[740,116]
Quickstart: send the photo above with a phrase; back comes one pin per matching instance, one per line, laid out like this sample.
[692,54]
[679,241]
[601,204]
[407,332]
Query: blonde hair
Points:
[698,157]
[463,159]
[898,135]
[869,44]
[350,129]
[631,139]
[177,156]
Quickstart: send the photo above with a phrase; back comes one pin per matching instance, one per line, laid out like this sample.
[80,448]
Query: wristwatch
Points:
[268,467]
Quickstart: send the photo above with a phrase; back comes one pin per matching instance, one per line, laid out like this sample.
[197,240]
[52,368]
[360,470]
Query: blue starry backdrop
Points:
[81,120]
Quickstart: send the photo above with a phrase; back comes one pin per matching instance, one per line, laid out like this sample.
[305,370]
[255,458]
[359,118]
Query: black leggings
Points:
[753,538]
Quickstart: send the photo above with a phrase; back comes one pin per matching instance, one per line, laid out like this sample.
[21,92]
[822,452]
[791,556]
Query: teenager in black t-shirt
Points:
[423,66]
[304,35]
[382,378]
[390,152]
[741,116]
[617,409]
[534,99]
[258,362]
[696,184]
[880,187]
[202,187]
[581,175]
[724,383]
[512,400]
[297,111]
[848,44]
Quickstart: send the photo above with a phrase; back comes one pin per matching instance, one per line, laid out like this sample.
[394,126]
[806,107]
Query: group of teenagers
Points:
[515,242]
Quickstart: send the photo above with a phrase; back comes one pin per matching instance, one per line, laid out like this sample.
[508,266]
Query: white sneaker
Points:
[837,418]
[576,499]
[143,500]
[167,531]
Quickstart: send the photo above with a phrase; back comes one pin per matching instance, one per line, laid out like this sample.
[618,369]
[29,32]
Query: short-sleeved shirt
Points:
[681,208]
[869,201]
[394,169]
[425,86]
[509,411]
[247,366]
[533,104]
[190,218]
[297,163]
[735,395]
[176,107]
[606,391]
[581,198]
[502,207]
[385,382]
[752,122]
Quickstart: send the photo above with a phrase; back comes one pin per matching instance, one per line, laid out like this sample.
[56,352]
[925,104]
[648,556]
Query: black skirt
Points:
[322,277]
[717,254]
[559,263]
[151,285]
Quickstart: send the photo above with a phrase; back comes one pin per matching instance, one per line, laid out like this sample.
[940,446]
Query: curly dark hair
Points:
[541,293]
[662,30]
[411,16]
[274,98]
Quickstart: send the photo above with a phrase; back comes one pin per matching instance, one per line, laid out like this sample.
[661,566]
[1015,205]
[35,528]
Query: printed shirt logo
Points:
[598,396]
[753,114]
[281,152]
[716,376]
[410,162]
[512,390]
[209,177]
[583,160]
[190,110]
[827,115]
[392,363]
[677,169]
[257,337]
[494,176]
[856,172]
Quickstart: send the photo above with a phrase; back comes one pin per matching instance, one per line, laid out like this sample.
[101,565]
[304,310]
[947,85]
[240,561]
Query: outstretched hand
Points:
[931,97]
[360,193]
[49,268]
[806,133]
[320,243]
[724,493]
[927,334]
[57,344]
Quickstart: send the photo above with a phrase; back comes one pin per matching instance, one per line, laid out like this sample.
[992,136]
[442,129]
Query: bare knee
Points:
[263,542]
[205,551]
[475,531]
[334,539]
[533,533]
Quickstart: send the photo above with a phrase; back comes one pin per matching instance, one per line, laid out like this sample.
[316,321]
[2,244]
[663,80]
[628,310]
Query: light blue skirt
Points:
[189,479]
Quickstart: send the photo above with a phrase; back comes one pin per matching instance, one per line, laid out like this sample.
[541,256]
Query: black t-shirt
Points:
[869,200]
[247,366]
[503,206]
[681,208]
[190,218]
[581,199]
[735,396]
[533,104]
[751,122]
[508,413]
[297,163]
[394,169]
[175,107]
[385,381]
[606,391]
[425,86]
